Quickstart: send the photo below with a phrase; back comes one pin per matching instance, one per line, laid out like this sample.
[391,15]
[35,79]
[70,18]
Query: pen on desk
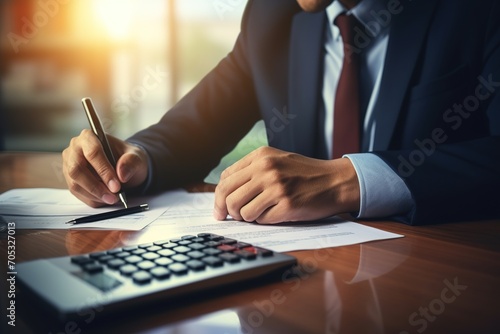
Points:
[96,126]
[109,215]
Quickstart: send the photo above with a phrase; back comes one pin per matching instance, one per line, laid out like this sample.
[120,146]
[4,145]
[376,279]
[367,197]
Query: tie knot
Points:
[346,24]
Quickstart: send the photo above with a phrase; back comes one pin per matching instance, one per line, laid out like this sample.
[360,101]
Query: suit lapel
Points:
[404,47]
[306,63]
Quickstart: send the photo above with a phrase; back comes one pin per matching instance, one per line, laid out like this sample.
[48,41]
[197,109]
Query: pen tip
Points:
[70,222]
[123,199]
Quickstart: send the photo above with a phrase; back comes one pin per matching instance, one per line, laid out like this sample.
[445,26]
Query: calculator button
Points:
[141,277]
[215,237]
[160,272]
[93,268]
[245,254]
[105,258]
[166,252]
[115,263]
[178,268]
[150,256]
[139,251]
[128,269]
[264,252]
[226,248]
[146,265]
[133,259]
[81,260]
[212,251]
[144,246]
[180,258]
[241,245]
[197,239]
[97,255]
[122,254]
[212,243]
[196,254]
[197,246]
[213,261]
[163,261]
[260,251]
[160,242]
[230,257]
[195,265]
[182,249]
[227,241]
[153,248]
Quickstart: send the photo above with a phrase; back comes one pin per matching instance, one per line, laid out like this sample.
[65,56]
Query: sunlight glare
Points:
[116,16]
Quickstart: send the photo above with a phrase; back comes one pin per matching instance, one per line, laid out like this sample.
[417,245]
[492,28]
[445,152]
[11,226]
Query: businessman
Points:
[385,109]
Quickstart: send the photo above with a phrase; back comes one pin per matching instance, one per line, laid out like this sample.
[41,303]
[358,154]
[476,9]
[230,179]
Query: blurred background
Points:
[134,58]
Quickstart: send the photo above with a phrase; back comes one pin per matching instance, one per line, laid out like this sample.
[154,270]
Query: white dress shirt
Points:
[382,192]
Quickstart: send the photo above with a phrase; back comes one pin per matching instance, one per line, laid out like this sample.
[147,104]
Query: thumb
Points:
[132,168]
[125,170]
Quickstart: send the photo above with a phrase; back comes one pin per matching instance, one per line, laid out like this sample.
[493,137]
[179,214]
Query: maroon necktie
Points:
[346,126]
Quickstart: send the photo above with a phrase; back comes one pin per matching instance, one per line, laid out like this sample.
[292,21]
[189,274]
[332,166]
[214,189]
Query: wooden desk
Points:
[437,279]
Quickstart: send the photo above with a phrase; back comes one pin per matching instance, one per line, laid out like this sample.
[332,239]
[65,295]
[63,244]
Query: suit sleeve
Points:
[458,181]
[203,126]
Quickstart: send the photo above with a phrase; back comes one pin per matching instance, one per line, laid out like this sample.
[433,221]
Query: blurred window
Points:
[134,58]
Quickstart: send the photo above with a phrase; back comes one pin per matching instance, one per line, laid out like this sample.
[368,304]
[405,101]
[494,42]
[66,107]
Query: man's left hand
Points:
[271,186]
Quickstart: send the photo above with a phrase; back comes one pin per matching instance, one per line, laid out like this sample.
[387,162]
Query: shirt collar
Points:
[364,12]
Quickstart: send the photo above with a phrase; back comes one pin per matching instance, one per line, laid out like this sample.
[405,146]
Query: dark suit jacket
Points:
[441,55]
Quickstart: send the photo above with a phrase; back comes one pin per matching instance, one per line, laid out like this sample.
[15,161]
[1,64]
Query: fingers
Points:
[269,206]
[229,196]
[94,155]
[239,192]
[251,201]
[231,179]
[92,178]
[259,209]
[238,166]
[239,197]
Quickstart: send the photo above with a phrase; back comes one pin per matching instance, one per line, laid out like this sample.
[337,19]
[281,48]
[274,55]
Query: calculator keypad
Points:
[162,259]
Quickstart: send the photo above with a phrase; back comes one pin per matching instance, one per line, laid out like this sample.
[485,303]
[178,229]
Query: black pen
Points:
[109,215]
[96,126]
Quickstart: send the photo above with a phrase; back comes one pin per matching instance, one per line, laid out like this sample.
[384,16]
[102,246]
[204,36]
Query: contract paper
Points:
[177,213]
[47,208]
[192,214]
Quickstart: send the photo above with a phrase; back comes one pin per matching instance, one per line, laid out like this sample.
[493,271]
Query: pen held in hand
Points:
[109,215]
[98,130]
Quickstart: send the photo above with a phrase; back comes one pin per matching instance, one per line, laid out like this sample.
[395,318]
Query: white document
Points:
[177,213]
[192,214]
[47,208]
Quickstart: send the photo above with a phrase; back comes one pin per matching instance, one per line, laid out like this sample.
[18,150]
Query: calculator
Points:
[123,278]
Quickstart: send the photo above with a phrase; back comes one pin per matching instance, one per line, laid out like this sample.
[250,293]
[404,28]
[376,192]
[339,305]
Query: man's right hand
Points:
[92,178]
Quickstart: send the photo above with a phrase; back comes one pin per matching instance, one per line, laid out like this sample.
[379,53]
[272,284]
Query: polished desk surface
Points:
[437,279]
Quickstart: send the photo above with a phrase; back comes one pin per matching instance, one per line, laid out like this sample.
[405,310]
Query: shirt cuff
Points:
[382,192]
